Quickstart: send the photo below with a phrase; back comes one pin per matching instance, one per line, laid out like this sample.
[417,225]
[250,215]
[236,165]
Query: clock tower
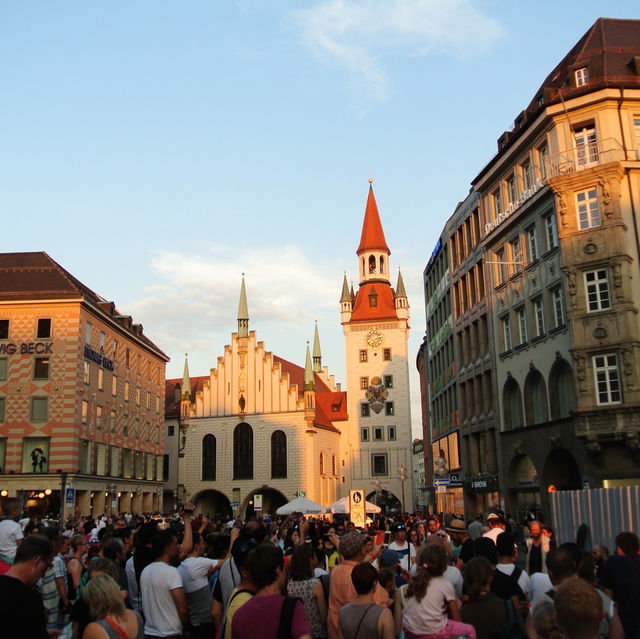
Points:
[376,444]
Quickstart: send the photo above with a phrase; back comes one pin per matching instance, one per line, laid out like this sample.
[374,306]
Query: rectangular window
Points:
[41,368]
[377,434]
[1,409]
[597,290]
[85,372]
[39,409]
[513,189]
[115,348]
[364,383]
[165,468]
[158,399]
[558,308]
[125,426]
[607,378]
[85,411]
[137,395]
[44,328]
[136,428]
[516,254]
[101,340]
[388,408]
[35,455]
[99,417]
[533,243]
[114,385]
[497,203]
[148,400]
[379,464]
[582,76]
[112,421]
[386,354]
[388,381]
[551,230]
[586,146]
[527,181]
[4,329]
[364,410]
[506,332]
[147,431]
[522,325]
[100,379]
[543,154]
[364,356]
[171,431]
[588,208]
[391,433]
[87,333]
[364,434]
[3,368]
[636,128]
[126,391]
[157,434]
[503,267]
[127,358]
[539,311]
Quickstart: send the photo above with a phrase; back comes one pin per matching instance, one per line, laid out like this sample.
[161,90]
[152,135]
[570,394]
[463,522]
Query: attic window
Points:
[582,76]
[335,408]
[373,299]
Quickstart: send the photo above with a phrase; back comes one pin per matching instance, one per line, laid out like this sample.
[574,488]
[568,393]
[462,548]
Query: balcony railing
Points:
[584,156]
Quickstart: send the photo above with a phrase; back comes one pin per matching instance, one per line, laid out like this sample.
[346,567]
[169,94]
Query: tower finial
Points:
[186,381]
[317,353]
[308,372]
[243,312]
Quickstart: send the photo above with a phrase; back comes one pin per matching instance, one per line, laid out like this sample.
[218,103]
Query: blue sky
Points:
[158,150]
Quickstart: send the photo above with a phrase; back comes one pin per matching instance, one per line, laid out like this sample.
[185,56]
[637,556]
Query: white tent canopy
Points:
[342,506]
[301,505]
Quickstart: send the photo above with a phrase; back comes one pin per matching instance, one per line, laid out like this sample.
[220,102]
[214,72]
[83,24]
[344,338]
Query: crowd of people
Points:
[135,577]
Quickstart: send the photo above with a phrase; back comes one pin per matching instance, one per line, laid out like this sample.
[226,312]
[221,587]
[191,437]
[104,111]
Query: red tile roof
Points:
[385,307]
[372,237]
[171,407]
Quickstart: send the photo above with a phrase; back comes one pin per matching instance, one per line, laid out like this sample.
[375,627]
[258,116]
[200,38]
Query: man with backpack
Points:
[269,614]
[507,553]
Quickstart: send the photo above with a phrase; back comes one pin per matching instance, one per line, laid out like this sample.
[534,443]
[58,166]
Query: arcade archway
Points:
[524,488]
[389,503]
[213,504]
[561,471]
[272,499]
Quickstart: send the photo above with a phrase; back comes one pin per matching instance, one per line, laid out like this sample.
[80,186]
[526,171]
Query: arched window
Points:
[535,398]
[243,451]
[562,391]
[208,458]
[372,264]
[321,464]
[512,404]
[333,465]
[278,455]
[381,264]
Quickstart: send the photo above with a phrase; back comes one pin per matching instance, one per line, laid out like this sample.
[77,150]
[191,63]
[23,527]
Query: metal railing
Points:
[584,156]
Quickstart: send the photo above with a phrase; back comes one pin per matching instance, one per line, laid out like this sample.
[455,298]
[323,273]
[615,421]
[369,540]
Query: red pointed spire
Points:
[372,237]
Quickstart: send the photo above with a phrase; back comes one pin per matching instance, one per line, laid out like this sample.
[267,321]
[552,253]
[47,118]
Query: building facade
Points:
[376,443]
[256,425]
[81,396]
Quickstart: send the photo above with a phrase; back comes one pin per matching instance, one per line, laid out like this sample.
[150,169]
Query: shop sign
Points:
[105,362]
[513,207]
[26,348]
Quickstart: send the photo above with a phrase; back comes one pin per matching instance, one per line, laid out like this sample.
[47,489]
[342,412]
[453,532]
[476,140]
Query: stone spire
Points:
[400,290]
[372,237]
[243,312]
[186,382]
[317,353]
[346,295]
[308,372]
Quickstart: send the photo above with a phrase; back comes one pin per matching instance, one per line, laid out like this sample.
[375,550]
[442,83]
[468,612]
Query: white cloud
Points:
[357,35]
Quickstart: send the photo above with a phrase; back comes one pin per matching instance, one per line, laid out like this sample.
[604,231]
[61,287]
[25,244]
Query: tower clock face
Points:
[374,337]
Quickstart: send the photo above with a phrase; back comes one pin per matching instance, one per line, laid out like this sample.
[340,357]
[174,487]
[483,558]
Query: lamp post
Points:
[403,478]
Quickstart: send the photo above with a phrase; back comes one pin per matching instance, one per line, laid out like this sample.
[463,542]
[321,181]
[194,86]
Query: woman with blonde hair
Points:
[113,620]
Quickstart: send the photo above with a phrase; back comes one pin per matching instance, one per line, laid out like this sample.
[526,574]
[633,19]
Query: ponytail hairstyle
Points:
[433,560]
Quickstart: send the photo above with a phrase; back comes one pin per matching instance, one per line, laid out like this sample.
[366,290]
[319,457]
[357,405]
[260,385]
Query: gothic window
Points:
[381,264]
[512,404]
[208,458]
[372,264]
[278,455]
[243,451]
[535,402]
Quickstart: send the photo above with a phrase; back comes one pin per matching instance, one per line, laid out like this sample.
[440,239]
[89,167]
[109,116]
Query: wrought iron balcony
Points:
[584,156]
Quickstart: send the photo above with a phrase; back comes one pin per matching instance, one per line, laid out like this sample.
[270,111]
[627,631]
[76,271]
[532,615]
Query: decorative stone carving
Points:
[579,360]
[627,367]
[561,207]
[600,332]
[518,448]
[590,247]
[616,268]
[605,197]
[555,441]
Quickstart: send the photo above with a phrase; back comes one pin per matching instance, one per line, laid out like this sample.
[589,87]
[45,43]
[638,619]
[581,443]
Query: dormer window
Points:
[373,299]
[582,76]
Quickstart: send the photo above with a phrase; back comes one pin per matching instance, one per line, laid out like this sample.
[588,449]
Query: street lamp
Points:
[403,478]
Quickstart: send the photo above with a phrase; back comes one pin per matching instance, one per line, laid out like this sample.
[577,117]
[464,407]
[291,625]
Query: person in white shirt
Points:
[496,526]
[402,547]
[163,600]
[507,553]
[10,530]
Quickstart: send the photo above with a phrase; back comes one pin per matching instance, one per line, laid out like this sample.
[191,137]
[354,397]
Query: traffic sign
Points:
[70,495]
[441,482]
[234,504]
[302,493]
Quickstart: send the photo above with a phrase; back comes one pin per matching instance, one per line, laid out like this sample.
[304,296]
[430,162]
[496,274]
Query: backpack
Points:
[286,617]
[512,629]
[515,575]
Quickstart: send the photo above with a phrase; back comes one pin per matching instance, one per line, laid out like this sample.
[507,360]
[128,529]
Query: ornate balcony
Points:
[585,156]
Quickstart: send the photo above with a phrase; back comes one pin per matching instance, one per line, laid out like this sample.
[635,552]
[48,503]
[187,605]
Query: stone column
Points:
[83,501]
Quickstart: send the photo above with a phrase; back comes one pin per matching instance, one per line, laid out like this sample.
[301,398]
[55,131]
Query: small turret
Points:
[346,301]
[400,298]
[317,353]
[309,394]
[185,397]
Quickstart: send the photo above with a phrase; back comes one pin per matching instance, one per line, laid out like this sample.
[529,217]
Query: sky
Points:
[159,150]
